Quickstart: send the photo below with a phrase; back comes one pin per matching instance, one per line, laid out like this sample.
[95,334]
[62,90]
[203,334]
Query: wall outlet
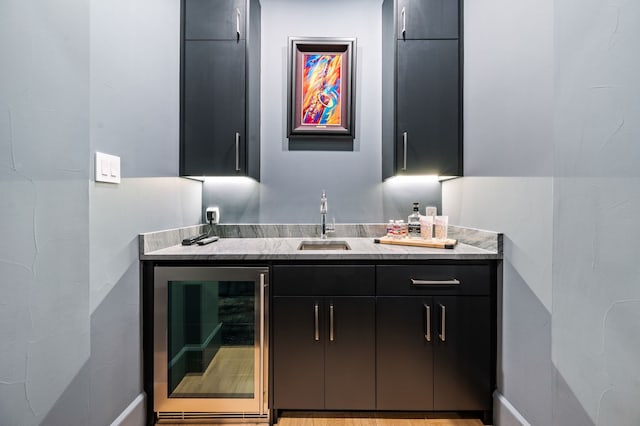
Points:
[213,215]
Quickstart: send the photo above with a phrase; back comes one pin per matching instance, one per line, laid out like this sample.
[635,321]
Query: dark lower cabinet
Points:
[404,357]
[433,353]
[324,353]
[462,353]
[323,340]
[411,337]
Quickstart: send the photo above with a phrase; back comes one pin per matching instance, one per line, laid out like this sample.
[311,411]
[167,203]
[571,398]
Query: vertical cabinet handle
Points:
[443,319]
[316,335]
[404,22]
[238,23]
[427,323]
[331,322]
[405,142]
[237,151]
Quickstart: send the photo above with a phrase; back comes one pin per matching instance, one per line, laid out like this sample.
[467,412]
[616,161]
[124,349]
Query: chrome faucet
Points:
[323,214]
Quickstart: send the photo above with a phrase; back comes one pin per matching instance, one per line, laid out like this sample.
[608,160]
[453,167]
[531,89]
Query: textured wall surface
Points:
[566,197]
[76,78]
[596,274]
[44,204]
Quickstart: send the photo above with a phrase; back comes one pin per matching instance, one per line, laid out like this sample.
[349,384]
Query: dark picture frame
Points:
[321,87]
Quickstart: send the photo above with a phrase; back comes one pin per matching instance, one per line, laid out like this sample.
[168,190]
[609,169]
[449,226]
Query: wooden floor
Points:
[371,419]
[358,419]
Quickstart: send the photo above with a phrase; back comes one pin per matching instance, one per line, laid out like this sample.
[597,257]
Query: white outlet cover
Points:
[107,168]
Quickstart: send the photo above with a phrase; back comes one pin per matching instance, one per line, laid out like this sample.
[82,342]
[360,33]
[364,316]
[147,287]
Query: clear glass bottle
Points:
[414,222]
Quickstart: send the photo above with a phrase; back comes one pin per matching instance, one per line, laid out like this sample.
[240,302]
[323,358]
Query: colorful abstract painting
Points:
[321,97]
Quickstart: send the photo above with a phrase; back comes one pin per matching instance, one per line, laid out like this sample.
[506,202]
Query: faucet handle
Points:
[331,226]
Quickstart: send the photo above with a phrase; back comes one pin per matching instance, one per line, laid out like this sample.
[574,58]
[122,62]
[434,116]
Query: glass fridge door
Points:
[209,340]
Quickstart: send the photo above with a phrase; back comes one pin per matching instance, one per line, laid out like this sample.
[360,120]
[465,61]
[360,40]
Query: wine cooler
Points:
[210,344]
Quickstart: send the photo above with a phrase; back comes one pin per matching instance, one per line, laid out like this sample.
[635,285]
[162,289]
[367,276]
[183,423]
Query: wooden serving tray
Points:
[443,244]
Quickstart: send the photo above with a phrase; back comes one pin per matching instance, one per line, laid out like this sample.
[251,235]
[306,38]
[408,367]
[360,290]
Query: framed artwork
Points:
[321,87]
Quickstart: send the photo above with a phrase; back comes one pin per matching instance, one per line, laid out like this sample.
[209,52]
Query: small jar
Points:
[390,227]
[402,228]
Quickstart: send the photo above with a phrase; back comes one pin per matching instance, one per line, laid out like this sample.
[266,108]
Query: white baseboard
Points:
[505,414]
[134,414]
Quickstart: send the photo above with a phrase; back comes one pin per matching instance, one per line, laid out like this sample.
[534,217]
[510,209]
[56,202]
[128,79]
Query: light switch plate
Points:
[107,168]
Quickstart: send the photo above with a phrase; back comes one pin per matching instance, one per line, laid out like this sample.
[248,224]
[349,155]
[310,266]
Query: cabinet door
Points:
[214,19]
[298,353]
[428,116]
[404,350]
[462,353]
[350,353]
[213,108]
[423,19]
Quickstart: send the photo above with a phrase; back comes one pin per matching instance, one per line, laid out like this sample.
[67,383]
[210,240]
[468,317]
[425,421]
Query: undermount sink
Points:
[324,245]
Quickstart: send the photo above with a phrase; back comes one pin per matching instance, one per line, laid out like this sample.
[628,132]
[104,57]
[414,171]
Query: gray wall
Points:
[293,176]
[559,177]
[78,78]
[596,192]
[44,204]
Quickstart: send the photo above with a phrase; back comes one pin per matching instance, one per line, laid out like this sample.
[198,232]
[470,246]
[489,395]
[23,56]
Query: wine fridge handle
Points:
[316,335]
[443,319]
[262,340]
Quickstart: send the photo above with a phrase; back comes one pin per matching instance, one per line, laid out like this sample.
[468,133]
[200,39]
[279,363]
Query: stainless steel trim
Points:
[237,151]
[317,330]
[255,405]
[427,325]
[238,22]
[404,21]
[443,312]
[331,322]
[434,282]
[405,143]
[262,313]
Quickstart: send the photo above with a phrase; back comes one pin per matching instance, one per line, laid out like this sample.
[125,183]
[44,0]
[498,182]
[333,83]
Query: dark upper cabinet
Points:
[220,88]
[213,113]
[214,19]
[425,19]
[421,88]
[427,116]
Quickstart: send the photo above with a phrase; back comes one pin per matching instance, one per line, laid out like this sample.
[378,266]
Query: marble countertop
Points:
[260,242]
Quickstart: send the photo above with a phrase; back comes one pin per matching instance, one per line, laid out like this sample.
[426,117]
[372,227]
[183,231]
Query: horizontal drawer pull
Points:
[434,282]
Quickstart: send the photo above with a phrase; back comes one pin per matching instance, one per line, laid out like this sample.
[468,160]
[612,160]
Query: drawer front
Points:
[433,279]
[329,280]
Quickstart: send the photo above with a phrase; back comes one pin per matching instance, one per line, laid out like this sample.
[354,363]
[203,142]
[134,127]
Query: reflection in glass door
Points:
[209,349]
